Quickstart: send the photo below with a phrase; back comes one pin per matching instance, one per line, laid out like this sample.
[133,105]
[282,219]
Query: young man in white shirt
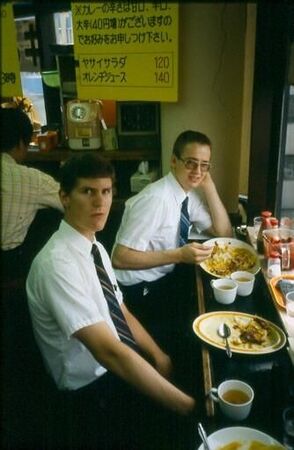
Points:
[151,264]
[124,395]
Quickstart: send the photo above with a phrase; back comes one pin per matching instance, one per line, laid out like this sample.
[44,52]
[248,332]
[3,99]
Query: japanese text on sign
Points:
[126,50]
[10,72]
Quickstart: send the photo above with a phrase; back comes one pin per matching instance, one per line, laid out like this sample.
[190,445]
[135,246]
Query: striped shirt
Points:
[24,191]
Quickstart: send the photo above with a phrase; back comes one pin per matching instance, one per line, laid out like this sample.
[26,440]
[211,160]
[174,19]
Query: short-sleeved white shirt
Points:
[65,295]
[151,221]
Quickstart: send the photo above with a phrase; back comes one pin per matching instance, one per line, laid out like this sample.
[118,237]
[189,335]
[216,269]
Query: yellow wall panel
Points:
[10,71]
[126,51]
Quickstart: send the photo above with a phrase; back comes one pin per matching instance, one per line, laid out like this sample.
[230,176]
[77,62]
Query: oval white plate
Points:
[206,326]
[234,243]
[227,435]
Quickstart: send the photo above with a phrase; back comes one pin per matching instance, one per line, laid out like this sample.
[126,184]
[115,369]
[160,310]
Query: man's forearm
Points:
[139,373]
[132,368]
[221,225]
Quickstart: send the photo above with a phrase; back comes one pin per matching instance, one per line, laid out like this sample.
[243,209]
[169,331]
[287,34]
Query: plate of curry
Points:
[228,256]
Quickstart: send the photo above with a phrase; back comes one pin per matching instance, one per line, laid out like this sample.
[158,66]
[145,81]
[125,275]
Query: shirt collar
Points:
[77,240]
[8,158]
[178,191]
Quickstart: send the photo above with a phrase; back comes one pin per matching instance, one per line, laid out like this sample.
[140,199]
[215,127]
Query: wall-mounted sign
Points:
[126,50]
[10,72]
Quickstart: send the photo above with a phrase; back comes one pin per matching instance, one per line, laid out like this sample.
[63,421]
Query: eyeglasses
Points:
[193,164]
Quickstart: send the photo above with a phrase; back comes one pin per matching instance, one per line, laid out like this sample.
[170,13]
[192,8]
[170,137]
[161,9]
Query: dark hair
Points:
[15,126]
[84,165]
[189,137]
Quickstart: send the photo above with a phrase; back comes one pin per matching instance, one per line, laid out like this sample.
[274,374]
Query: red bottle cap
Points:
[274,222]
[266,213]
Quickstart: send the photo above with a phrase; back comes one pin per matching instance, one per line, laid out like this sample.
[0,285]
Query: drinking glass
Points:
[257,221]
[288,423]
[290,304]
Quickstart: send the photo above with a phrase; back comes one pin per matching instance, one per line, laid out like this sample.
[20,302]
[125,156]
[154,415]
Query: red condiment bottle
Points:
[275,235]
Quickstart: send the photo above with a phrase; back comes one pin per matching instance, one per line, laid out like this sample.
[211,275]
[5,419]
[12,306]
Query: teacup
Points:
[224,290]
[234,397]
[245,281]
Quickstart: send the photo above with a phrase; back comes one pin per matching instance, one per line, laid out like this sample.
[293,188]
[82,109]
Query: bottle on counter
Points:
[275,234]
[274,265]
[274,223]
[265,224]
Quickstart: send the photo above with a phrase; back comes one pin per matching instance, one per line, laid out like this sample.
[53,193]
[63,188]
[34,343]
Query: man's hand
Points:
[207,181]
[194,253]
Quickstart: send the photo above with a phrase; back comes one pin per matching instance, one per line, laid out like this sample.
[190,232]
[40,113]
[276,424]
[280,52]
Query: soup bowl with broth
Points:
[245,281]
[224,290]
[234,397]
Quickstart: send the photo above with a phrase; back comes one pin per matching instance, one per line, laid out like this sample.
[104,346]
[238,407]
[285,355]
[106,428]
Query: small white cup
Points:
[290,304]
[224,290]
[234,397]
[245,281]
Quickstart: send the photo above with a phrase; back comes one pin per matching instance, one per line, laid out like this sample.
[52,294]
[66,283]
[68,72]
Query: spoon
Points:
[224,332]
[203,435]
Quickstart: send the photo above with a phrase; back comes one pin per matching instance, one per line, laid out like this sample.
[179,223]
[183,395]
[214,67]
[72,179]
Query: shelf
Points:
[116,155]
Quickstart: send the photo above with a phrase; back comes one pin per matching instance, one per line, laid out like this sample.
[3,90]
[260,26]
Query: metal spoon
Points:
[203,435]
[224,332]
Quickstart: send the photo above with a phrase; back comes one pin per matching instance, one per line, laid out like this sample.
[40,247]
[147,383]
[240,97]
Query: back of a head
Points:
[15,126]
[189,137]
[84,165]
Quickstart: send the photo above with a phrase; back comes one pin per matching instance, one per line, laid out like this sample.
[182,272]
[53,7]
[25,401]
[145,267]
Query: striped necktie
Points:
[184,223]
[116,313]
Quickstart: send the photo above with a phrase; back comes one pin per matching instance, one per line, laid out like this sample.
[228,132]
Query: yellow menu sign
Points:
[126,50]
[10,70]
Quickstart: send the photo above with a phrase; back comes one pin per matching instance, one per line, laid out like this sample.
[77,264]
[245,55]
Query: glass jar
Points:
[265,224]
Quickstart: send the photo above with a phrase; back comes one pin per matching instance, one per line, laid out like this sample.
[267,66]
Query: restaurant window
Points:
[63,28]
[30,75]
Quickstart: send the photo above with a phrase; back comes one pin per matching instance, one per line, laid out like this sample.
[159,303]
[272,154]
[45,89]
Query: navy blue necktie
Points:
[116,313]
[184,223]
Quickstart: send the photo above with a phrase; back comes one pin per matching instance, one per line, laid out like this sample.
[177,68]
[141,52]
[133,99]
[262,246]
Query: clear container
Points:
[265,224]
[280,240]
[274,265]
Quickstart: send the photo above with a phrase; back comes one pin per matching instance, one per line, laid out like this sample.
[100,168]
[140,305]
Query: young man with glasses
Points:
[152,264]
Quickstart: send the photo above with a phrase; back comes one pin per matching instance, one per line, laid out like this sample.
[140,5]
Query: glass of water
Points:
[257,221]
[288,423]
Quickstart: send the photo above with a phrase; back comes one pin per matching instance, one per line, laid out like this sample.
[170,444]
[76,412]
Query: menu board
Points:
[126,50]
[10,70]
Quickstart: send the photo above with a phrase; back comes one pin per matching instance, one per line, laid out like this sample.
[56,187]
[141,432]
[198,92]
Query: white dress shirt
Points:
[24,191]
[151,222]
[65,295]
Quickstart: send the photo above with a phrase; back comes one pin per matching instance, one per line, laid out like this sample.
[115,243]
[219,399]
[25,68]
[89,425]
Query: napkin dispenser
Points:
[142,177]
[83,124]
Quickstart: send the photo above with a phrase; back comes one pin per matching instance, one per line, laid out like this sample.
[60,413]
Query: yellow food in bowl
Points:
[226,259]
[249,445]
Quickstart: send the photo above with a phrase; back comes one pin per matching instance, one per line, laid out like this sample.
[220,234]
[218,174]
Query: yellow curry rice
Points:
[226,259]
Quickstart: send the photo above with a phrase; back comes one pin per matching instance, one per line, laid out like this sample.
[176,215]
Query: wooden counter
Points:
[268,374]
